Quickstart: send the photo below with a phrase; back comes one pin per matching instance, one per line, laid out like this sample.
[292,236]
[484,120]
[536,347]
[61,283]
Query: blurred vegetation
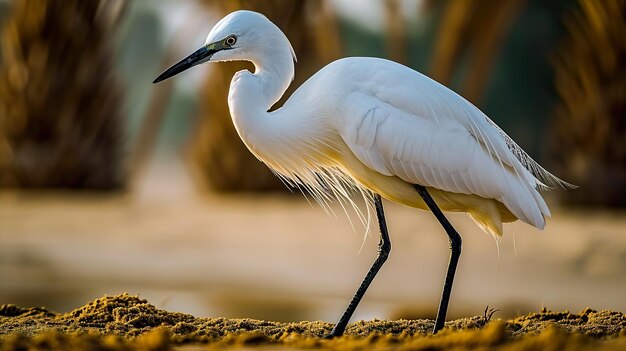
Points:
[60,122]
[61,105]
[474,29]
[589,127]
[517,89]
[396,32]
[220,158]
[140,53]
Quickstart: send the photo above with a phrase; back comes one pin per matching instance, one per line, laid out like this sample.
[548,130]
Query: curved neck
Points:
[275,76]
[284,139]
[251,95]
[274,72]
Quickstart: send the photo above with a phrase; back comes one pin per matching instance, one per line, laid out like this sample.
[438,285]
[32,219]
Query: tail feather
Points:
[488,219]
[526,203]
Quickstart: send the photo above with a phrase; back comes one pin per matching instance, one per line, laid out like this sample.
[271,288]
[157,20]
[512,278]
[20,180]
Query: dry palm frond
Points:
[220,159]
[475,28]
[59,102]
[395,32]
[589,127]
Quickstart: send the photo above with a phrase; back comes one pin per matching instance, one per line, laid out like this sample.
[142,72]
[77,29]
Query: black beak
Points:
[199,56]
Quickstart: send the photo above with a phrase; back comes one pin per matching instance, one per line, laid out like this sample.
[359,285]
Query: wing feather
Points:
[426,134]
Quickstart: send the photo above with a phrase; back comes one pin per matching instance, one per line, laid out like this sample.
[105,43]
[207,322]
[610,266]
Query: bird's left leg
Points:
[384,247]
[455,253]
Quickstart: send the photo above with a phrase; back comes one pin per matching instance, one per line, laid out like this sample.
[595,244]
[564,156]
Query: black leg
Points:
[384,247]
[455,253]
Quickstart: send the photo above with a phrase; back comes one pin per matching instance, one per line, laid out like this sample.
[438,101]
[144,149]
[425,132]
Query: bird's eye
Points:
[230,41]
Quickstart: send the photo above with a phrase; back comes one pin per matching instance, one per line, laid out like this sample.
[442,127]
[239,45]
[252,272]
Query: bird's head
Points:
[240,36]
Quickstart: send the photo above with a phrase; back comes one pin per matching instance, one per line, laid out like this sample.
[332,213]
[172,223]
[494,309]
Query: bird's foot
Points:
[333,334]
[437,327]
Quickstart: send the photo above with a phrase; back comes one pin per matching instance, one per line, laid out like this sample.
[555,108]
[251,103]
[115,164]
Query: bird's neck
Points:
[251,95]
[273,74]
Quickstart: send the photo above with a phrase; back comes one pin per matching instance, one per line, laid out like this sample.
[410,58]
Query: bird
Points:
[377,127]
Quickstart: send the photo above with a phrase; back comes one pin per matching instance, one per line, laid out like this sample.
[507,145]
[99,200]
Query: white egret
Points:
[379,127]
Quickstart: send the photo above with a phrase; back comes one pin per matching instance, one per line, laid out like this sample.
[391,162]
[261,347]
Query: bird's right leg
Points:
[384,247]
[455,253]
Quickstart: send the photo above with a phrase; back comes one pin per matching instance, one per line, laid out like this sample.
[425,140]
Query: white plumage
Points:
[411,127]
[401,125]
[377,127]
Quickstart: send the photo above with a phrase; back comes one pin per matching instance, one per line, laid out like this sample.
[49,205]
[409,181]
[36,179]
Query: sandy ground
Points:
[125,322]
[280,258]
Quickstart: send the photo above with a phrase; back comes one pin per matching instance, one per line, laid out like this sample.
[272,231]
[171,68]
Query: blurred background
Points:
[111,184]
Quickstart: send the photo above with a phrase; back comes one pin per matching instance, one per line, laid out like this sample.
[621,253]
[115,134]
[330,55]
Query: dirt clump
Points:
[126,322]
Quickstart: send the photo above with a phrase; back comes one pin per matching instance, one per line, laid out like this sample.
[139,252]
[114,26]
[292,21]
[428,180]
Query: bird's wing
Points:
[419,150]
[416,93]
[426,134]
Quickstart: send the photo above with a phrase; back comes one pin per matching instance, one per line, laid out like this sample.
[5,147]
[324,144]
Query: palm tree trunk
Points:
[60,115]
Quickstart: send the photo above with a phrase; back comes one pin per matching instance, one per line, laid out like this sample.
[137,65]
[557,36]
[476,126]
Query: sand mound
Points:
[125,322]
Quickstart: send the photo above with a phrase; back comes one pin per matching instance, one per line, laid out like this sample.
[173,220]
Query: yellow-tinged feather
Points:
[489,214]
